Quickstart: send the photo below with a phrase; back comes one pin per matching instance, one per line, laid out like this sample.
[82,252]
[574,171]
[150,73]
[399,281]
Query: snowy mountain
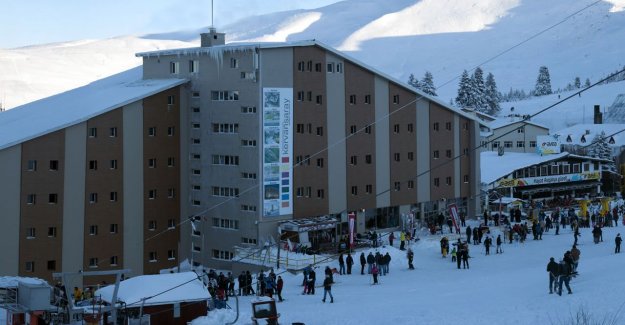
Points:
[399,37]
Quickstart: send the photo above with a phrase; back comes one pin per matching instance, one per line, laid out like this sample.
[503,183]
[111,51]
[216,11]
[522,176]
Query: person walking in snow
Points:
[370,261]
[391,238]
[279,287]
[341,265]
[499,250]
[349,261]
[475,235]
[410,256]
[453,254]
[327,289]
[363,262]
[465,256]
[487,243]
[387,260]
[617,241]
[564,273]
[375,271]
[402,240]
[468,232]
[553,269]
[310,285]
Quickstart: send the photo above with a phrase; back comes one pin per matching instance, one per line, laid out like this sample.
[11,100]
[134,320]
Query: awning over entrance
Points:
[560,188]
[309,224]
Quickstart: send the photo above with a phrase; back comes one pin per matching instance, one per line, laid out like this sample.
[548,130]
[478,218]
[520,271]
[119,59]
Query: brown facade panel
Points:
[103,244]
[403,145]
[161,179]
[360,143]
[441,153]
[465,162]
[41,223]
[310,133]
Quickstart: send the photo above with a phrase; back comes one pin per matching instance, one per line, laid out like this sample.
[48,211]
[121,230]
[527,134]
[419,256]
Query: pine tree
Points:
[587,83]
[601,149]
[491,95]
[413,81]
[464,87]
[543,82]
[427,84]
[578,83]
[478,89]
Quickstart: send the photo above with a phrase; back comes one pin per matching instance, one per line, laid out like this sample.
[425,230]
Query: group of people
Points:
[560,273]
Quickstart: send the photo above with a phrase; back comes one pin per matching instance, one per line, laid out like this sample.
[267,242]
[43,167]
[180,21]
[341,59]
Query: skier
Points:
[552,268]
[341,265]
[349,261]
[327,289]
[499,250]
[363,262]
[410,256]
[617,241]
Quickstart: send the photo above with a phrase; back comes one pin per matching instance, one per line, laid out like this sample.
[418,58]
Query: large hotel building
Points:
[236,137]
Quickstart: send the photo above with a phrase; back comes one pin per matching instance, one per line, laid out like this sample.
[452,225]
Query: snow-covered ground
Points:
[508,288]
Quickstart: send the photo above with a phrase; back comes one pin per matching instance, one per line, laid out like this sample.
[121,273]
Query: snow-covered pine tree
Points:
[478,89]
[601,149]
[587,83]
[413,81]
[427,84]
[543,82]
[578,83]
[464,88]
[491,95]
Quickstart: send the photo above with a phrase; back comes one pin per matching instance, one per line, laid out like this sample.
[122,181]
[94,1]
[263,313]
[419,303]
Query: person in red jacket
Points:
[279,286]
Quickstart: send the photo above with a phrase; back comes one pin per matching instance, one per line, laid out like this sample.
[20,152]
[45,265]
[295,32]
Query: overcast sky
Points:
[43,21]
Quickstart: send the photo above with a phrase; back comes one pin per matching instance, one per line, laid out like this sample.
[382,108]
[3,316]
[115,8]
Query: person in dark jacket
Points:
[327,289]
[391,238]
[279,287]
[410,256]
[465,256]
[499,250]
[370,261]
[242,284]
[617,241]
[564,272]
[341,264]
[475,235]
[469,232]
[310,286]
[487,243]
[248,283]
[349,261]
[328,272]
[363,262]
[387,260]
[552,268]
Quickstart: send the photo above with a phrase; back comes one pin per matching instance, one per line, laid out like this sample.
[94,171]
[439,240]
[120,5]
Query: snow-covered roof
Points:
[14,281]
[494,167]
[589,131]
[56,112]
[217,51]
[159,289]
[505,121]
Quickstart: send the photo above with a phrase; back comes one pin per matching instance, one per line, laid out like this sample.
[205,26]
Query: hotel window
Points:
[395,99]
[353,160]
[248,109]
[196,202]
[330,67]
[318,67]
[195,125]
[93,230]
[171,223]
[367,99]
[152,225]
[174,67]
[31,199]
[54,165]
[152,163]
[113,260]
[465,125]
[309,96]
[32,165]
[507,144]
[30,266]
[566,169]
[299,128]
[151,194]
[320,131]
[575,168]
[309,65]
[170,131]
[225,191]
[225,127]
[520,129]
[52,232]
[234,63]
[171,100]
[544,171]
[587,167]
[152,257]
[397,186]
[465,151]
[448,153]
[52,265]
[31,233]
[113,229]
[466,178]
[396,128]
[321,194]
[520,144]
[113,196]
[247,207]
[319,100]
[410,127]
[93,164]
[222,255]
[368,129]
[300,96]
[554,170]
[448,126]
[113,164]
[113,132]
[410,185]
[435,126]
[299,192]
[195,109]
[196,156]
[339,67]
[397,156]
[437,182]
[532,144]
[194,66]
[411,156]
[171,162]
[308,192]
[367,159]
[225,95]
[301,66]
[152,131]
[352,99]
[352,129]
[495,144]
[171,254]
[320,162]
[53,198]
[93,262]
[93,197]
[171,193]
[435,154]
[354,190]
[225,223]
[225,160]
[448,180]
[93,132]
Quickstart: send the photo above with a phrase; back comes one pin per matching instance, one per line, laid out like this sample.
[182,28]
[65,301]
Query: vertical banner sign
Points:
[352,228]
[453,212]
[277,151]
